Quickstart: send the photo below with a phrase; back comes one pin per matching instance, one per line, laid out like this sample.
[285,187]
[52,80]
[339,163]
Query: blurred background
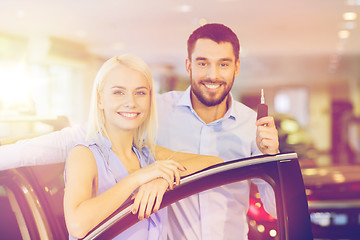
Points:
[304,54]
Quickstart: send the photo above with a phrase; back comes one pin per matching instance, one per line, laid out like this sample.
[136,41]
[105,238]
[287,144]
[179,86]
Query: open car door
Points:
[281,171]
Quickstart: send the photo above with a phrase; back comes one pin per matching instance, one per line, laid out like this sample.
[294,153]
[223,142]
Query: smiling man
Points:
[212,68]
[205,119]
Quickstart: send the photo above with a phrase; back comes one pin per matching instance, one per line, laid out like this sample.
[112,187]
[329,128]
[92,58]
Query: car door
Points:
[281,171]
[31,203]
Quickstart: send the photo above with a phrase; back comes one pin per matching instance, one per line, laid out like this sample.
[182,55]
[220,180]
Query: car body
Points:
[333,190]
[32,198]
[333,194]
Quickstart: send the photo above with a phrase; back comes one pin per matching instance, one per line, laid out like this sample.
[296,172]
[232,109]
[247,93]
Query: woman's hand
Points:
[166,169]
[149,198]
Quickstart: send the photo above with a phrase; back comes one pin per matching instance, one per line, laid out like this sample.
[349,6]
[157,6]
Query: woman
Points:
[117,159]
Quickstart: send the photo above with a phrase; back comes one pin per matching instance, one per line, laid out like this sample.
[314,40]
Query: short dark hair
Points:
[216,32]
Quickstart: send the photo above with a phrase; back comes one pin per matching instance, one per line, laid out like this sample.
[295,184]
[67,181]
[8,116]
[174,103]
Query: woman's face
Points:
[125,99]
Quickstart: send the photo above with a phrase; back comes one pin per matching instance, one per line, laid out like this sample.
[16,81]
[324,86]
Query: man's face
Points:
[212,70]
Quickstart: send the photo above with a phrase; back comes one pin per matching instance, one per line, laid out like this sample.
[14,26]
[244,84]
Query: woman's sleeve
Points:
[50,148]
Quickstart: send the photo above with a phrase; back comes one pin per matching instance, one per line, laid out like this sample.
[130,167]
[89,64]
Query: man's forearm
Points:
[50,148]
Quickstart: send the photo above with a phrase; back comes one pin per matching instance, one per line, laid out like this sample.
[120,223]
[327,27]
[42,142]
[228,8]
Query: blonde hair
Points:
[146,132]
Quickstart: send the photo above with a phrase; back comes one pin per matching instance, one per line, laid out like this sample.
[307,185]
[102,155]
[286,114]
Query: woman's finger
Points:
[143,203]
[150,203]
[159,198]
[135,206]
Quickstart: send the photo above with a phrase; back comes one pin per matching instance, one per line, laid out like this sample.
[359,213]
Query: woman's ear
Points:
[100,101]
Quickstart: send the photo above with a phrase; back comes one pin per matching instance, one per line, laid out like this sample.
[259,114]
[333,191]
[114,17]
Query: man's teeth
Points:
[212,86]
[129,115]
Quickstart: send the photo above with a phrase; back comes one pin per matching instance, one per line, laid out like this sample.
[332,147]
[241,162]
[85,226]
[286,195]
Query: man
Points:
[204,119]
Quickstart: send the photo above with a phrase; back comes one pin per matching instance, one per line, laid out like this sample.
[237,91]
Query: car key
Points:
[262,110]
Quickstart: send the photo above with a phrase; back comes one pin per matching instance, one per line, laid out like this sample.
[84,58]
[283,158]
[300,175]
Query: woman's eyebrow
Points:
[118,87]
[121,87]
[142,87]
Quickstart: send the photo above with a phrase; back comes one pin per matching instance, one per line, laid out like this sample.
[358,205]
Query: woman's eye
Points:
[140,93]
[119,93]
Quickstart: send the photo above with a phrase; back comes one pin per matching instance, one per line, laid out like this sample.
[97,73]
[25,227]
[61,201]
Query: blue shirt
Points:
[110,171]
[219,213]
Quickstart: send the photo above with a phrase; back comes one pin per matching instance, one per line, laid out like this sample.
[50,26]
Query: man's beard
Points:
[209,102]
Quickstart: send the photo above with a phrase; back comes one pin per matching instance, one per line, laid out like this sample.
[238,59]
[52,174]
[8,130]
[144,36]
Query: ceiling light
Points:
[20,14]
[184,8]
[353,2]
[349,16]
[344,34]
[202,21]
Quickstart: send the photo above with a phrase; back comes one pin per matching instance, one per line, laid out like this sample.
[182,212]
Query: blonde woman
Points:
[120,156]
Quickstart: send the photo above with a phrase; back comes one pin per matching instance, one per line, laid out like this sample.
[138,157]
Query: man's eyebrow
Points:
[200,59]
[221,59]
[226,59]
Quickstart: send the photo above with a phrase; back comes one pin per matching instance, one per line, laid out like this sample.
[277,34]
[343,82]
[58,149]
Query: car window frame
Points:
[281,171]
[27,200]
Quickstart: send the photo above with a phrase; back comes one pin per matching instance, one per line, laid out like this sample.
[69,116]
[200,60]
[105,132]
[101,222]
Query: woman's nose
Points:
[129,101]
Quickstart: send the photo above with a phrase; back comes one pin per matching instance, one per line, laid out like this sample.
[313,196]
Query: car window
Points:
[11,217]
[32,203]
[50,179]
[262,225]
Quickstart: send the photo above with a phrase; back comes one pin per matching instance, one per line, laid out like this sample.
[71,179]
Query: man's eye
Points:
[224,64]
[202,64]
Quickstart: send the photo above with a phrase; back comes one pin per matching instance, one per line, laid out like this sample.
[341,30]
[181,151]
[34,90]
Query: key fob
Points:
[262,111]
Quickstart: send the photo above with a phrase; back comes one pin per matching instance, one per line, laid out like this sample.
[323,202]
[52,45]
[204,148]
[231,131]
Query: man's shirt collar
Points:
[185,100]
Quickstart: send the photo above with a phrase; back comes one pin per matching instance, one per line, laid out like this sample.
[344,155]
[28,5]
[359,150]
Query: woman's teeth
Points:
[129,115]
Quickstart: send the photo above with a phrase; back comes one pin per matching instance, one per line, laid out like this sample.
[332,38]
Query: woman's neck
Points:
[121,145]
[121,140]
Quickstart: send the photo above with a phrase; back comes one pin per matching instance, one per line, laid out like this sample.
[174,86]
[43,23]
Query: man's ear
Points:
[237,67]
[188,65]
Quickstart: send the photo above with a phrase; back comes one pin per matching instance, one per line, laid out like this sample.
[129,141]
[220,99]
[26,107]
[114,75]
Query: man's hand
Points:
[149,198]
[267,138]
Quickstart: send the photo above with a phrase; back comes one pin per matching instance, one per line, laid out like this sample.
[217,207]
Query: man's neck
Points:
[210,114]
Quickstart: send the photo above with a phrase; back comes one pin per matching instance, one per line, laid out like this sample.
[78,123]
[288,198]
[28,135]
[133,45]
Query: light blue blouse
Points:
[110,171]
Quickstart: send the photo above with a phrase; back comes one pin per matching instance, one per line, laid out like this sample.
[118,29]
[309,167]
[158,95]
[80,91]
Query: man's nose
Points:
[212,72]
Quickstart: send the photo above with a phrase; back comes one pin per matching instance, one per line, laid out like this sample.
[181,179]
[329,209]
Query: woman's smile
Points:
[129,115]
